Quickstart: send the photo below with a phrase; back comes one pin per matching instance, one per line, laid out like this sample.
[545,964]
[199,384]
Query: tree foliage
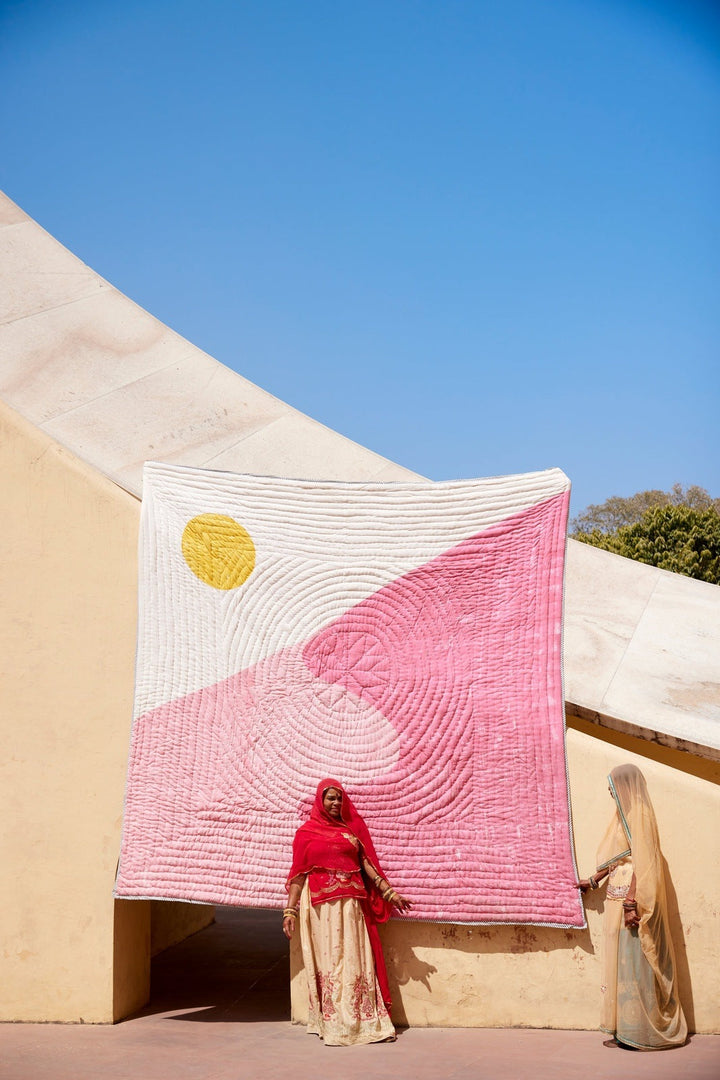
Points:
[672,535]
[616,511]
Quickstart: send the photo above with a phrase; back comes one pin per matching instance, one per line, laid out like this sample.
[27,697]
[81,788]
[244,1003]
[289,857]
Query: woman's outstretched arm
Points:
[594,880]
[384,888]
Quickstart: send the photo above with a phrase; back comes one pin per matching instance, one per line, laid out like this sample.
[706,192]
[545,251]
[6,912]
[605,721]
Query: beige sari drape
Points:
[640,1000]
[345,1004]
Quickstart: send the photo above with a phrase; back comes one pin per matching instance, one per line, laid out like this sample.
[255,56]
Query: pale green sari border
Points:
[626,828]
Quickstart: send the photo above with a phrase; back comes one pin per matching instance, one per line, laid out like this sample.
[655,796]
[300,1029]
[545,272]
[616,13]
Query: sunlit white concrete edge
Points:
[642,650]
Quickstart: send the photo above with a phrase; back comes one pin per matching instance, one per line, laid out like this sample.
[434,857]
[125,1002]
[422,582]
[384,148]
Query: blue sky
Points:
[477,237]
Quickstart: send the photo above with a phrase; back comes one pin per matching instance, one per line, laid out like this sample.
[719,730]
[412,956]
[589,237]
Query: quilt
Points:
[403,638]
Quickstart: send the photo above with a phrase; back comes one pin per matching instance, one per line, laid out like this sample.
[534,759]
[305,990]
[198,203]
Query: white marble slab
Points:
[37,273]
[605,597]
[69,356]
[10,212]
[296,446]
[391,472]
[669,678]
[186,413]
[642,646]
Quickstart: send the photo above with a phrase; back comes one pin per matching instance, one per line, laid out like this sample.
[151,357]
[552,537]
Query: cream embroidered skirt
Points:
[346,1006]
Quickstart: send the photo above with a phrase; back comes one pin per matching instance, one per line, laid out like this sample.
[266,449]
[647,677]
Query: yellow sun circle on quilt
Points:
[218,550]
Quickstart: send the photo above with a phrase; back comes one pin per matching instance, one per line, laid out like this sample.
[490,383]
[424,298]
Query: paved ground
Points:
[213,1017]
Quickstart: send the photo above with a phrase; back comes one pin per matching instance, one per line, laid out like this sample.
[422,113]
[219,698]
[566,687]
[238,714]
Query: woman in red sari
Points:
[337,893]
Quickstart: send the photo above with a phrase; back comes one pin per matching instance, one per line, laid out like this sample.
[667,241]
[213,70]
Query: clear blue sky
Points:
[477,237]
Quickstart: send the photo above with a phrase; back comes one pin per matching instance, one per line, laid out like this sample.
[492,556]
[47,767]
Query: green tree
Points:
[680,538]
[617,511]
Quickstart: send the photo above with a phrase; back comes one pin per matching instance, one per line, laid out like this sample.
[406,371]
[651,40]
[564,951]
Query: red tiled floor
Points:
[219,1012]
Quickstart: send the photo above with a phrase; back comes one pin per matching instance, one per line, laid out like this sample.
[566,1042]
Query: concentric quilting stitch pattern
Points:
[404,638]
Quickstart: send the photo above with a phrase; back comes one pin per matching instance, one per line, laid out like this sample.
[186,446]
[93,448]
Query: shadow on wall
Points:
[405,967]
[678,938]
[238,969]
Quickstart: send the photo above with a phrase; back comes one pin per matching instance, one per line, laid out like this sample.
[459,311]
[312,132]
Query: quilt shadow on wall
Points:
[236,970]
[402,938]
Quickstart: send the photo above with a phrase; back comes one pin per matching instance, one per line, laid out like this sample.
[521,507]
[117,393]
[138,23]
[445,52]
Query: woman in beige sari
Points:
[640,1009]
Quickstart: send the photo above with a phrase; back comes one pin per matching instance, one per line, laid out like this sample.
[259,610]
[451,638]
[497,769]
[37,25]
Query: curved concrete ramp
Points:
[108,381]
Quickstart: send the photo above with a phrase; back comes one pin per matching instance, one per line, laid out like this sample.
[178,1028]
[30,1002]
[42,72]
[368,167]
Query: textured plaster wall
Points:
[67,646]
[525,976]
[68,597]
[172,921]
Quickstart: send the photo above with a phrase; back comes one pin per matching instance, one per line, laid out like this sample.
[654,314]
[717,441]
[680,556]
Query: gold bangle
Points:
[290,913]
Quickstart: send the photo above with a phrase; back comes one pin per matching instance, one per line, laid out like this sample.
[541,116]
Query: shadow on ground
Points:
[236,970]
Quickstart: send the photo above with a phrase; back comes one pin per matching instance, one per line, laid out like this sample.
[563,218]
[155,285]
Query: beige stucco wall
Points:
[67,640]
[68,582]
[504,976]
[67,646]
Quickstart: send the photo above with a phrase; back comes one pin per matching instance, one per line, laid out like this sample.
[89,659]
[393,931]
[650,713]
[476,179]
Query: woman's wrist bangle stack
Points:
[290,913]
[630,905]
[593,883]
[389,894]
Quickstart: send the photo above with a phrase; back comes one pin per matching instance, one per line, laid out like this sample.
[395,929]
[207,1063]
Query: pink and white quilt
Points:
[404,638]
